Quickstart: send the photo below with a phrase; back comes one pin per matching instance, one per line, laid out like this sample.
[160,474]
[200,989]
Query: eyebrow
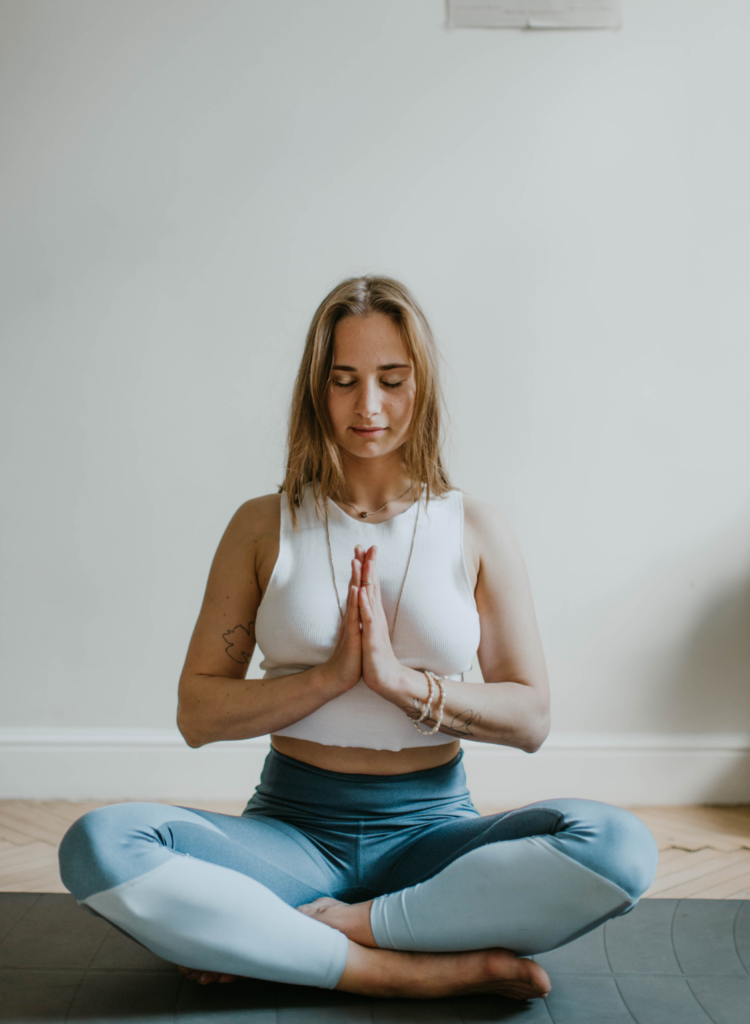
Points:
[388,366]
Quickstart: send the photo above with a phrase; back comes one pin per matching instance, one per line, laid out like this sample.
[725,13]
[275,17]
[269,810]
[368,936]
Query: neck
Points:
[370,483]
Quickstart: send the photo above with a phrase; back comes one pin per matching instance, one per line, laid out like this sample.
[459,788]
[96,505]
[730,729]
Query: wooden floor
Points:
[705,851]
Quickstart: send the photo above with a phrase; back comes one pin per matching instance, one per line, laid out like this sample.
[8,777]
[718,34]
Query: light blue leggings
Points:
[218,893]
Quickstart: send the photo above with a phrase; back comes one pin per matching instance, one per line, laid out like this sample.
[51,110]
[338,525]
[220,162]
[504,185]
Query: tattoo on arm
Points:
[240,642]
[461,725]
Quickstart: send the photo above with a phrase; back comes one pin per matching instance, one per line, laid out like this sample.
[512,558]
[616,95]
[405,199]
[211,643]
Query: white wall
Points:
[183,180]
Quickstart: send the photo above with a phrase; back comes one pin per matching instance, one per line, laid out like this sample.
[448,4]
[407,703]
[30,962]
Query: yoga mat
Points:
[667,962]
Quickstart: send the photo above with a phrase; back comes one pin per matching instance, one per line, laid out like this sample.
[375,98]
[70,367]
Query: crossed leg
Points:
[526,881]
[216,894]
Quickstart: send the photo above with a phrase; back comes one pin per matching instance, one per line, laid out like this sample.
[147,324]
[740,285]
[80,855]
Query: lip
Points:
[368,431]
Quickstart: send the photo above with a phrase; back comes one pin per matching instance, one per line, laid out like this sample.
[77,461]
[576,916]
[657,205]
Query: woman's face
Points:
[372,389]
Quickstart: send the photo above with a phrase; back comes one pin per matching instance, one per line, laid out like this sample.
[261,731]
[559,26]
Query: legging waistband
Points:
[297,792]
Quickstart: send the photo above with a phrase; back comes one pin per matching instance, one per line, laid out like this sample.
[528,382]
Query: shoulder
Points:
[260,510]
[487,531]
[255,520]
[251,540]
[257,511]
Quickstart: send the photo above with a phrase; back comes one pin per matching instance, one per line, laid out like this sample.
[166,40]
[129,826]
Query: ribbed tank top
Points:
[437,626]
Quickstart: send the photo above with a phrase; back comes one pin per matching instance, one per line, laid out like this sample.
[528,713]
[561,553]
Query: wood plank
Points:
[37,873]
[724,890]
[743,894]
[686,859]
[29,822]
[38,881]
[699,869]
[671,854]
[32,854]
[714,818]
[57,815]
[725,826]
[694,834]
[699,884]
[10,835]
[690,840]
[668,841]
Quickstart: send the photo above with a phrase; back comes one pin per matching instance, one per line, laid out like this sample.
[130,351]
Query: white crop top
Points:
[437,627]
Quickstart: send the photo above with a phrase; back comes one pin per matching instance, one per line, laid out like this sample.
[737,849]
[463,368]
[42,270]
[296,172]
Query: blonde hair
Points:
[312,453]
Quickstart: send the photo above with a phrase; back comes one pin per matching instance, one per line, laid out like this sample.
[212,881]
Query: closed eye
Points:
[348,384]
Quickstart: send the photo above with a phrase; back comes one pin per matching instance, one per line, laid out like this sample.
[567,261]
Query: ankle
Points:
[359,929]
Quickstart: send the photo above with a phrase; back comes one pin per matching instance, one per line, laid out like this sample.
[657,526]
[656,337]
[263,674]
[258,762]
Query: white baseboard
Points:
[620,768]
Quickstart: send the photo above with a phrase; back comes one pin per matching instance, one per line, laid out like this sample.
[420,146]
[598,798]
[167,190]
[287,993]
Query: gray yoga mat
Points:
[668,962]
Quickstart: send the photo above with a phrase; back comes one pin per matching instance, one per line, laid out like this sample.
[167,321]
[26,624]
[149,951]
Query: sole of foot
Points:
[351,919]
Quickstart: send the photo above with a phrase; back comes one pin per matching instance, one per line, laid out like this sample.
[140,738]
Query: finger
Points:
[371,562]
[370,577]
[352,611]
[367,567]
[365,609]
[374,575]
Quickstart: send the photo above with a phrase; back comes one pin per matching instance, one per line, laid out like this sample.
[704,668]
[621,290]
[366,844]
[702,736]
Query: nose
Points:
[368,400]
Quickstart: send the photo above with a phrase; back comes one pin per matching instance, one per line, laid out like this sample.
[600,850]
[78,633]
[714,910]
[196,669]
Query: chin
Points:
[369,449]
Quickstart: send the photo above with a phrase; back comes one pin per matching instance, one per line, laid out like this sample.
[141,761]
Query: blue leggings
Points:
[218,893]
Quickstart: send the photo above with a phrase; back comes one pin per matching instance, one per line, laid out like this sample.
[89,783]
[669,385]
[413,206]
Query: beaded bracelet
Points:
[426,711]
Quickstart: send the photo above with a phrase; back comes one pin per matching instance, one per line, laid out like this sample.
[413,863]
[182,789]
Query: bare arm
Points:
[216,701]
[512,707]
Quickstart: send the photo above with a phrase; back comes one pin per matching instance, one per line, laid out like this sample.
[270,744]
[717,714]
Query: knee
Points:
[613,843]
[78,853]
[627,851]
[93,849]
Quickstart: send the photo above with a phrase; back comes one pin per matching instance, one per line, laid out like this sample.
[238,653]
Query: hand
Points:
[345,664]
[381,669]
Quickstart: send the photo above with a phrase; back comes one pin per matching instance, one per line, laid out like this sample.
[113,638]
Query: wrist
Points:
[328,683]
[412,690]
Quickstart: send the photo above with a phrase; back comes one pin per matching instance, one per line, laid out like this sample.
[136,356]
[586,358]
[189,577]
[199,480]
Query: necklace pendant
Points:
[364,515]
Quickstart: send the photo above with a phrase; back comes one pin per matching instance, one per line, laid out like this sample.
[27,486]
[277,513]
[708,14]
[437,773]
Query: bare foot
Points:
[207,977]
[353,919]
[393,974]
[384,972]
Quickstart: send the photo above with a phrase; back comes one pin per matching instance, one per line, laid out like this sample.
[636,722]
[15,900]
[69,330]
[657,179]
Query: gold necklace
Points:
[366,515]
[403,582]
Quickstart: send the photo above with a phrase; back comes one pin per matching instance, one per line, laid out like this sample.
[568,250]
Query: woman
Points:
[361,863]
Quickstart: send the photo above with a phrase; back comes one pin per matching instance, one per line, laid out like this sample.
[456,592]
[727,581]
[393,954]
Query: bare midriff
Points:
[363,761]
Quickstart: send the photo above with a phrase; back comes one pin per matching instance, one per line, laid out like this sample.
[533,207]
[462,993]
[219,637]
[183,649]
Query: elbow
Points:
[537,734]
[187,726]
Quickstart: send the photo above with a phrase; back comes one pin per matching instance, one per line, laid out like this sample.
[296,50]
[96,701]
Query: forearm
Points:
[213,708]
[507,713]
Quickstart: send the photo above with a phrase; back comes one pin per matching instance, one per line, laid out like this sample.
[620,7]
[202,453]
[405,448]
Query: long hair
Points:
[313,456]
